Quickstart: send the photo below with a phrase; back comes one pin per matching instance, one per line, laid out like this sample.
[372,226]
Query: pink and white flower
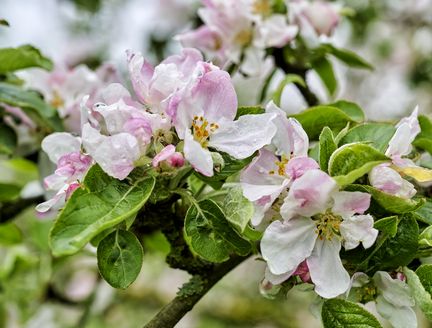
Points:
[65,150]
[318,220]
[204,118]
[269,175]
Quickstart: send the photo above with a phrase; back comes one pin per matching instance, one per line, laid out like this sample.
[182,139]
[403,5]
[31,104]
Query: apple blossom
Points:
[318,220]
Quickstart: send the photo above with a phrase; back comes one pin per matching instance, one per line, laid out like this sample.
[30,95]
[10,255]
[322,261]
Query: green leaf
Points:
[31,103]
[209,235]
[348,57]
[104,203]
[399,250]
[378,134]
[9,192]
[249,110]
[238,209]
[327,145]
[424,138]
[338,313]
[10,234]
[424,272]
[12,59]
[425,238]
[231,166]
[388,225]
[18,172]
[325,71]
[8,139]
[316,118]
[422,297]
[388,202]
[120,258]
[424,213]
[352,161]
[289,78]
[351,109]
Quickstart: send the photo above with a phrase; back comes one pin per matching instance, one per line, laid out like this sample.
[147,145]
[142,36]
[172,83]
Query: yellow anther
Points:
[328,226]
[202,130]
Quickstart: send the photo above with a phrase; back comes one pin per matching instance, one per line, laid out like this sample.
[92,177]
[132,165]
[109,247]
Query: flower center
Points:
[57,101]
[202,129]
[327,225]
[262,7]
[280,166]
[243,37]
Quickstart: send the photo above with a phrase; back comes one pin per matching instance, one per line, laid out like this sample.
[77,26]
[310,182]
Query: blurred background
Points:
[38,291]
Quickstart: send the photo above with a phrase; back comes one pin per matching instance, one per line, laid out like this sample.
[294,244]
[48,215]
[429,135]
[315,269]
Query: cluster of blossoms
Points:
[307,220]
[183,109]
[245,28]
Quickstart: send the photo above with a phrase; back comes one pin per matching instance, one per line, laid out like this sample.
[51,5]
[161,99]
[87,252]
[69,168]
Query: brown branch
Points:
[190,294]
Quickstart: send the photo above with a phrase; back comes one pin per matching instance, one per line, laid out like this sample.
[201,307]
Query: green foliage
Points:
[9,192]
[249,110]
[31,103]
[352,161]
[424,213]
[324,69]
[12,59]
[388,202]
[8,139]
[425,238]
[316,118]
[238,209]
[103,203]
[338,313]
[351,109]
[348,57]
[424,272]
[388,225]
[289,78]
[378,134]
[10,234]
[424,138]
[230,167]
[209,234]
[399,250]
[422,297]
[120,258]
[327,145]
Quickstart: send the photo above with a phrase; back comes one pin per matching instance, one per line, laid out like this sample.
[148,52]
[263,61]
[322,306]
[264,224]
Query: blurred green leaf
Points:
[120,258]
[424,138]
[249,110]
[289,78]
[18,172]
[8,139]
[325,71]
[12,59]
[348,57]
[32,104]
[9,192]
[10,234]
[351,109]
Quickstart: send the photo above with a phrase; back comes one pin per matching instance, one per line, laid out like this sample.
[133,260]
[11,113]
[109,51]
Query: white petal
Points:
[348,203]
[285,245]
[277,279]
[115,154]
[358,229]
[243,137]
[326,269]
[309,195]
[399,317]
[199,157]
[60,143]
[388,180]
